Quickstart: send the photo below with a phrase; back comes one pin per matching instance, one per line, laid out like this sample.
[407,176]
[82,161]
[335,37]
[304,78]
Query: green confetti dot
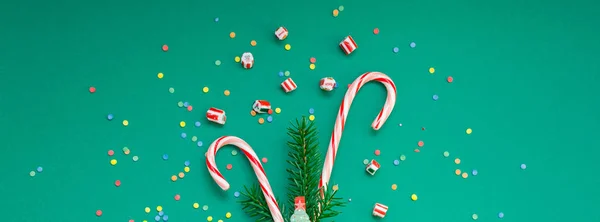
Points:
[365,161]
[234,152]
[180,104]
[172,90]
[341,8]
[205,207]
[286,73]
[402,157]
[32,173]
[218,62]
[194,138]
[446,154]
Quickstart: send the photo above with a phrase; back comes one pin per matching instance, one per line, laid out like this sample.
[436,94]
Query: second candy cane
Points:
[340,121]
[256,165]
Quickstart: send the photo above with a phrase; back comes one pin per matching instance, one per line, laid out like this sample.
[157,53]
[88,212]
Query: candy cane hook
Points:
[256,165]
[340,121]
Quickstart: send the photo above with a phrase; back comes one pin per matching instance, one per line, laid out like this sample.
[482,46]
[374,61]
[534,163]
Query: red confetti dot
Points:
[111,152]
[313,60]
[376,31]
[131,220]
[99,213]
[420,143]
[177,197]
[450,79]
[118,183]
[189,108]
[377,152]
[417,150]
[265,160]
[92,89]
[229,166]
[165,48]
[270,112]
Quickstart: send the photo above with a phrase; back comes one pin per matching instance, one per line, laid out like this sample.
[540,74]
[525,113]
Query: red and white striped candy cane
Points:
[254,161]
[340,121]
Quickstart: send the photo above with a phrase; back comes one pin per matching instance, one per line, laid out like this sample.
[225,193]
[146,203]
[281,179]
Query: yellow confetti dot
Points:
[261,120]
[253,43]
[220,220]
[311,117]
[394,186]
[414,197]
[113,162]
[173,178]
[469,130]
[125,123]
[475,217]
[335,12]
[465,175]
[228,215]
[145,221]
[209,218]
[237,59]
[232,35]
[147,209]
[457,161]
[457,172]
[311,66]
[226,92]
[182,124]
[181,175]
[431,70]
[335,187]
[186,169]
[159,208]
[252,112]
[288,47]
[205,89]
[160,75]
[196,205]
[277,110]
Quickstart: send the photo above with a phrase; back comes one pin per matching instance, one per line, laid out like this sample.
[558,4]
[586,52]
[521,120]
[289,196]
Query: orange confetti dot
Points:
[457,172]
[335,13]
[253,43]
[173,178]
[181,175]
[465,175]
[232,35]
[253,113]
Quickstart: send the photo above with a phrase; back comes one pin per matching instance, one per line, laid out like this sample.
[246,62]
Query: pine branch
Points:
[329,203]
[305,163]
[255,205]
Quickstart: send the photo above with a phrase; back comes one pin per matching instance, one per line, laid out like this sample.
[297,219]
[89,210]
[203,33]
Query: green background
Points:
[526,76]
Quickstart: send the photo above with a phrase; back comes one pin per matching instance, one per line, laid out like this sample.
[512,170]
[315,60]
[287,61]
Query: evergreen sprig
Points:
[305,163]
[304,175]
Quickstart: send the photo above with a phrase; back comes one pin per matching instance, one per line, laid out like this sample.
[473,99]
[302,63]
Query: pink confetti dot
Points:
[265,160]
[92,89]
[189,108]
[111,152]
[165,48]
[377,152]
[420,143]
[99,213]
[229,166]
[117,183]
[177,197]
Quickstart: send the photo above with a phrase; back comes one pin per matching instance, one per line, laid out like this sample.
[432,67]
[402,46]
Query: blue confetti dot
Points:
[311,111]
[183,135]
[280,73]
[396,49]
[160,213]
[197,124]
[157,218]
[186,163]
[336,85]
[186,104]
[269,119]
[165,157]
[40,169]
[217,19]
[523,166]
[500,215]
[200,143]
[236,194]
[413,44]
[396,162]
[166,218]
[474,172]
[435,97]
[110,116]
